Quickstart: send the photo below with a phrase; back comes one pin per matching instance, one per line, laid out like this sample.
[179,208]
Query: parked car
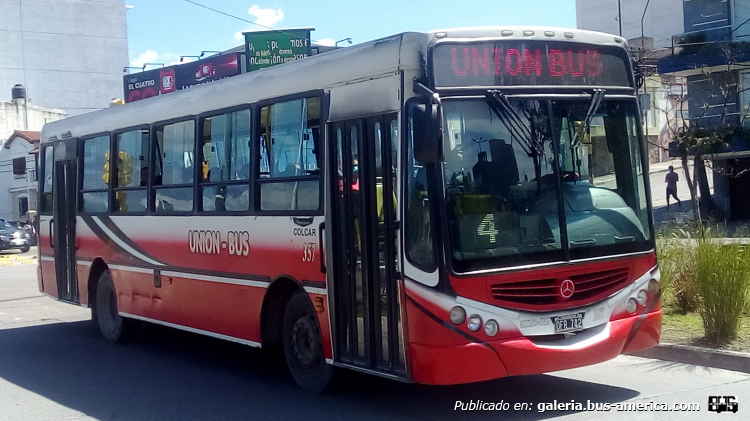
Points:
[13,238]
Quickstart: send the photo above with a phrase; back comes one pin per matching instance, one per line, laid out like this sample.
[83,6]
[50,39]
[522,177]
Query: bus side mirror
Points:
[428,135]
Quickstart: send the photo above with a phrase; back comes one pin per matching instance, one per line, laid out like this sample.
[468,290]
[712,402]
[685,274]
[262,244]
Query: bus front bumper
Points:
[472,362]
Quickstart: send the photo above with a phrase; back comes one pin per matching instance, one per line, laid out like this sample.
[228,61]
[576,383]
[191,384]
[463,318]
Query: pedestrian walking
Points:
[671,179]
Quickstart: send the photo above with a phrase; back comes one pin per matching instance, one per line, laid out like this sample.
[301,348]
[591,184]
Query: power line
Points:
[226,14]
[239,18]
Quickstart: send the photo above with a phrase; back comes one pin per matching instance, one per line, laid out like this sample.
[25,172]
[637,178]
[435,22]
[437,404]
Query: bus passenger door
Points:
[64,194]
[367,316]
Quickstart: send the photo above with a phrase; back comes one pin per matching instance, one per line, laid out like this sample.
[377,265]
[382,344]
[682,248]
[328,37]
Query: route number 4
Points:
[308,252]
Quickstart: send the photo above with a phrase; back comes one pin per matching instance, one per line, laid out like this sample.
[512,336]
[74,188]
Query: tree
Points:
[714,127]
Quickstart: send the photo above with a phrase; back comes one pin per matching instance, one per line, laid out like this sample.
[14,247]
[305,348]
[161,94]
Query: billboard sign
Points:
[169,79]
[269,48]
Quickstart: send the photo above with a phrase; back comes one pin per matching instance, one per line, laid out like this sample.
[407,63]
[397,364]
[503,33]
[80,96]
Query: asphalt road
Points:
[54,366]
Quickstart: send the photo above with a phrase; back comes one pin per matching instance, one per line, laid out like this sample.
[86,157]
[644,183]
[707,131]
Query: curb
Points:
[707,357]
[10,261]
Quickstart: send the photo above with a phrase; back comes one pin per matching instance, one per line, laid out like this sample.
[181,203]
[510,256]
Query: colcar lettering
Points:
[304,232]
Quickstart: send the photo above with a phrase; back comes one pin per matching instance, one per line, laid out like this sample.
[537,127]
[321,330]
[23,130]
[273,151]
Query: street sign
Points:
[269,48]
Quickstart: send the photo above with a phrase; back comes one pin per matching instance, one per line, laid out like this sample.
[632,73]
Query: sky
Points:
[160,31]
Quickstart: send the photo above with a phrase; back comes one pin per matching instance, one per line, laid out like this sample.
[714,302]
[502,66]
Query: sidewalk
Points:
[706,357]
[664,166]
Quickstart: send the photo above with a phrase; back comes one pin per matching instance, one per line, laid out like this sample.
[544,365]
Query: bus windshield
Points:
[531,181]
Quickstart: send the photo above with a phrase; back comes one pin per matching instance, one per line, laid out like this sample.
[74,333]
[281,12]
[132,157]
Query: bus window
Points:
[289,173]
[225,162]
[418,233]
[46,203]
[130,164]
[95,188]
[175,144]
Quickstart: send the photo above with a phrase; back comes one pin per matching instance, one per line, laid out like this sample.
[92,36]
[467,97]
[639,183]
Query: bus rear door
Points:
[63,222]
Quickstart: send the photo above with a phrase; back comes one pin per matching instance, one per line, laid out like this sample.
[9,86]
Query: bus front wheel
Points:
[112,326]
[303,345]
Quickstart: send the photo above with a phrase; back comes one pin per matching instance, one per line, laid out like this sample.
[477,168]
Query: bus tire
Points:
[113,327]
[303,345]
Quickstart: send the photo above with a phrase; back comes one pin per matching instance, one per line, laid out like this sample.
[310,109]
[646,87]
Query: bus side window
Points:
[131,157]
[225,162]
[46,183]
[96,175]
[289,172]
[174,146]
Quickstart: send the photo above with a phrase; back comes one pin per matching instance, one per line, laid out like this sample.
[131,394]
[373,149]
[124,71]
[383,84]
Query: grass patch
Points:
[706,286]
[687,329]
[722,280]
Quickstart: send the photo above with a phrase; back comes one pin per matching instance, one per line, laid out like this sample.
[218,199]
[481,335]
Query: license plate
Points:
[568,323]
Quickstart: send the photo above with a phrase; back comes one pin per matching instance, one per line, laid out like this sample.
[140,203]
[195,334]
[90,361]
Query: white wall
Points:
[15,186]
[663,18]
[12,186]
[13,117]
[69,54]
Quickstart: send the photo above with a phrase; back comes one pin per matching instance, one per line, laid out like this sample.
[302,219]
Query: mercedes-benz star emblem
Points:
[566,289]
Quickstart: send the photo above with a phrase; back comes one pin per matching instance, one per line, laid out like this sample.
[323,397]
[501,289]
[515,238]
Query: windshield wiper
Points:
[596,100]
[500,105]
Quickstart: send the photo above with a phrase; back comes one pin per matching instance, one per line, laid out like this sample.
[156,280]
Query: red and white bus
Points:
[439,208]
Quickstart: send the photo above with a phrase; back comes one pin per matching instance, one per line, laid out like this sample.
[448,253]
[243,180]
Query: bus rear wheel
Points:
[303,345]
[112,326]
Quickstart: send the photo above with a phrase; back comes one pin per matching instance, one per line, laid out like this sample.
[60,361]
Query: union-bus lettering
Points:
[204,241]
[238,243]
[526,62]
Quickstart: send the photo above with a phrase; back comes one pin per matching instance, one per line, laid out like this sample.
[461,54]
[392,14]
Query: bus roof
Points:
[326,70]
[346,65]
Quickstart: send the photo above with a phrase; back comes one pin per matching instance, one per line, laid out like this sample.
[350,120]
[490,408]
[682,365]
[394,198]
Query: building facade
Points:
[713,55]
[69,54]
[657,19]
[20,123]
[650,26]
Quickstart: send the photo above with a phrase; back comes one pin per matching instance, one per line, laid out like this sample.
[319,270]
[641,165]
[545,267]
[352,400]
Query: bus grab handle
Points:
[51,234]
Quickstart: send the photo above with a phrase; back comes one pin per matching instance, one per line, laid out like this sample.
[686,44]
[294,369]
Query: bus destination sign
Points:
[269,48]
[514,63]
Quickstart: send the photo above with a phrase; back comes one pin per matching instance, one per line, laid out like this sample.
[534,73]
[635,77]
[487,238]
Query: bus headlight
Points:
[653,287]
[642,297]
[631,305]
[457,315]
[475,323]
[491,328]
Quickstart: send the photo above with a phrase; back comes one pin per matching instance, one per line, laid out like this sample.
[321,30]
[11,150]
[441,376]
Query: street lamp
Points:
[642,17]
[349,40]
[209,51]
[125,69]
[183,57]
[152,64]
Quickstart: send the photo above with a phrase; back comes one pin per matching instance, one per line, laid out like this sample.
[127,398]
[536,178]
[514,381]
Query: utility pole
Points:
[619,15]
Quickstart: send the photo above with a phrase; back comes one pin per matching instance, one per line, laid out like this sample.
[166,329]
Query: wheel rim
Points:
[306,341]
